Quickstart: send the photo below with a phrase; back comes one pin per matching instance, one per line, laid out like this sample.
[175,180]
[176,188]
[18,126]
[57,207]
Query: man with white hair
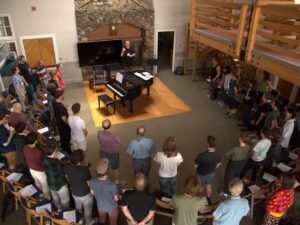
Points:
[128,54]
[16,116]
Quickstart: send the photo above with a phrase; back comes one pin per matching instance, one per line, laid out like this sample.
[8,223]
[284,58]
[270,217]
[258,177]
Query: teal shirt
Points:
[231,211]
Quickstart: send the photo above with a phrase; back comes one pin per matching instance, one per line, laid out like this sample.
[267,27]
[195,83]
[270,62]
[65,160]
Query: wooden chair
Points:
[14,188]
[3,175]
[55,220]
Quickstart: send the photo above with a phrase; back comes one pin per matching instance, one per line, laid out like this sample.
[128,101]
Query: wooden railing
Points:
[227,19]
[275,28]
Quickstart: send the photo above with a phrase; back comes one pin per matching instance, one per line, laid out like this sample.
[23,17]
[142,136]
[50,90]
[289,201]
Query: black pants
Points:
[142,166]
[233,169]
[252,165]
[65,139]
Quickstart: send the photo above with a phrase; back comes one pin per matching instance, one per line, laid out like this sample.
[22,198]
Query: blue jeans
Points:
[164,183]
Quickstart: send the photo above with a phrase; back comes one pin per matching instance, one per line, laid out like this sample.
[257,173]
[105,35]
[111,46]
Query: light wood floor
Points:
[161,102]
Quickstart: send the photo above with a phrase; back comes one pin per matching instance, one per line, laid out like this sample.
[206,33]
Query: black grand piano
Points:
[128,85]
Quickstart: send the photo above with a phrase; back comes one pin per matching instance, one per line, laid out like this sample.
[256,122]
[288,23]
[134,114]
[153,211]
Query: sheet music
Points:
[147,74]
[283,167]
[165,199]
[42,209]
[70,216]
[59,155]
[43,130]
[269,177]
[142,76]
[14,176]
[253,188]
[293,156]
[1,165]
[29,190]
[45,101]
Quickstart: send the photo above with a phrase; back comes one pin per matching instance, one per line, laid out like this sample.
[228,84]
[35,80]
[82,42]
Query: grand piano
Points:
[128,85]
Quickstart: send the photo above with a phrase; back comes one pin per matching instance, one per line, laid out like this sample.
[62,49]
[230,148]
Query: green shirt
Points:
[186,209]
[54,170]
[238,153]
[263,86]
[270,117]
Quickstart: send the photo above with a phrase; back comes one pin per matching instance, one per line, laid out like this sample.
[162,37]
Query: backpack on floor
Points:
[179,70]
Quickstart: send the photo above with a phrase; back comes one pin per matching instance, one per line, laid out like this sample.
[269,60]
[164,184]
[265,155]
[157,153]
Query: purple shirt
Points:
[108,141]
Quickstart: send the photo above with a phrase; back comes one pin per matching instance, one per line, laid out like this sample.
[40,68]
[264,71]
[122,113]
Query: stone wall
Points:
[102,12]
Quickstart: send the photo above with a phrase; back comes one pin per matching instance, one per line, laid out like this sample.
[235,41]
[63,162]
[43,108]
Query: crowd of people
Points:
[269,129]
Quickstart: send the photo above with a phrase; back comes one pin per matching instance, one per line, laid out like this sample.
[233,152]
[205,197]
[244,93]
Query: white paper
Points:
[1,165]
[283,167]
[43,208]
[29,190]
[43,130]
[14,176]
[293,156]
[146,73]
[70,216]
[253,188]
[165,199]
[45,101]
[45,95]
[59,155]
[269,177]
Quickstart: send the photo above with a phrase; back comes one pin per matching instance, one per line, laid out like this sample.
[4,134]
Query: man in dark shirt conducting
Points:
[26,72]
[61,117]
[207,162]
[138,205]
[128,54]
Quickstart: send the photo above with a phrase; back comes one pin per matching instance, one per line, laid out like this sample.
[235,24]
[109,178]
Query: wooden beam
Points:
[276,37]
[241,30]
[216,29]
[282,11]
[194,73]
[253,30]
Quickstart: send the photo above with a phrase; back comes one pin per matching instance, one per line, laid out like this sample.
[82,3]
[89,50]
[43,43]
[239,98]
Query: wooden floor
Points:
[161,102]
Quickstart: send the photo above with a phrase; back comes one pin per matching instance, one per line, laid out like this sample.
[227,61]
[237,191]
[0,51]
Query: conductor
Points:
[128,54]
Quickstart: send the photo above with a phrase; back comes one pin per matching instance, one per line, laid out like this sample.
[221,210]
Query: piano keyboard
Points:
[114,90]
[143,76]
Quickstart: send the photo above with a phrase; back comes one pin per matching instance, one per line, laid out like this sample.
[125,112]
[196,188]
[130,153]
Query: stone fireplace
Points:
[101,14]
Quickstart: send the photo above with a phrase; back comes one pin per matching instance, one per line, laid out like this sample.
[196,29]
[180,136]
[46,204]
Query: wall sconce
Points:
[112,29]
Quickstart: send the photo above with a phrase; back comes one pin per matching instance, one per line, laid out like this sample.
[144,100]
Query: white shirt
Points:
[77,126]
[168,166]
[288,129]
[227,81]
[261,149]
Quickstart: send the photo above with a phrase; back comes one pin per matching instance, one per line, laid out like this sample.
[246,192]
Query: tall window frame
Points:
[7,33]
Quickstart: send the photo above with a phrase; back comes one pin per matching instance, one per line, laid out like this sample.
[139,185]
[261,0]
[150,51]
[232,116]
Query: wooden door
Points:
[284,87]
[39,48]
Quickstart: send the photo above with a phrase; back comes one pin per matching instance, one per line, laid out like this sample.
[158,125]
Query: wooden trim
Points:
[195,62]
[241,30]
[216,21]
[276,48]
[253,30]
[276,37]
[216,29]
[280,27]
[282,11]
[221,4]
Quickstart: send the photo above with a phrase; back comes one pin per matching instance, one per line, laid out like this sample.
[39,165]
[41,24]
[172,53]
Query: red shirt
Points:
[280,201]
[109,142]
[14,118]
[61,81]
[34,158]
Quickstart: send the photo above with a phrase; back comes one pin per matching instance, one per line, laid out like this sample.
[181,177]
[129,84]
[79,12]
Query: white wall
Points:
[51,17]
[173,15]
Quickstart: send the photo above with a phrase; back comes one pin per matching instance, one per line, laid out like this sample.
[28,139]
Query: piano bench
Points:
[107,101]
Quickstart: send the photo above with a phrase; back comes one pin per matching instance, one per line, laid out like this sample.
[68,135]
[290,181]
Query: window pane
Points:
[6,21]
[8,31]
[1,21]
[2,33]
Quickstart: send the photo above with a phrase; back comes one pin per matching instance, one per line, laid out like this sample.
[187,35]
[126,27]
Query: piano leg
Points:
[148,90]
[131,106]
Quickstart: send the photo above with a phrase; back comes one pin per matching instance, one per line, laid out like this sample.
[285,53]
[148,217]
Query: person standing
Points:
[168,161]
[128,54]
[42,74]
[258,155]
[273,115]
[19,140]
[281,200]
[78,129]
[106,193]
[249,101]
[280,151]
[237,159]
[79,176]
[264,86]
[60,79]
[56,179]
[261,114]
[138,205]
[34,158]
[207,162]
[109,147]
[26,72]
[232,210]
[141,149]
[19,85]
[187,205]
[214,78]
[61,117]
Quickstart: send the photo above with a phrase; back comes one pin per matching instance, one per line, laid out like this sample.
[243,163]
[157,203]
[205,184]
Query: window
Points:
[6,30]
